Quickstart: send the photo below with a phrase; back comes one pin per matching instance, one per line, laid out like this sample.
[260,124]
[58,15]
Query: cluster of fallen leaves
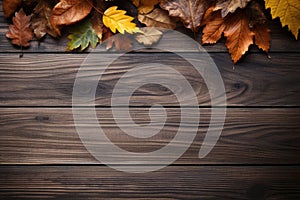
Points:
[90,22]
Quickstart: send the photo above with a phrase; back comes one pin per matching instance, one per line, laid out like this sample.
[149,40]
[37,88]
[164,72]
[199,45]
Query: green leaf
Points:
[82,35]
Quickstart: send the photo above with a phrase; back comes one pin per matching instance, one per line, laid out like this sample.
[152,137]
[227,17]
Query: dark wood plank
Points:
[174,182]
[48,79]
[250,136]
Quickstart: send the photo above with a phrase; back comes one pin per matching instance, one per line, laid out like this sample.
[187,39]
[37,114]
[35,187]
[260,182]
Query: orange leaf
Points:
[262,36]
[213,32]
[238,34]
[67,12]
[10,6]
[20,32]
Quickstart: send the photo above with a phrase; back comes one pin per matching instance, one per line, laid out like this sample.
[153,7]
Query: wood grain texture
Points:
[47,79]
[250,136]
[173,182]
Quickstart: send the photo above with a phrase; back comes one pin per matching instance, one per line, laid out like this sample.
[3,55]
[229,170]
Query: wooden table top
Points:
[257,156]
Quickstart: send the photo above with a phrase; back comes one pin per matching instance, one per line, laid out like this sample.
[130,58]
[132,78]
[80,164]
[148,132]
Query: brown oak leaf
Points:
[229,6]
[190,12]
[40,22]
[10,6]
[157,18]
[20,32]
[67,12]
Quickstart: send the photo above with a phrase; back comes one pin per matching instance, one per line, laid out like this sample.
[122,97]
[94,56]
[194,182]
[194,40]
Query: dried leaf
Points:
[145,6]
[82,35]
[106,33]
[215,26]
[40,22]
[117,20]
[157,18]
[190,12]
[97,25]
[67,12]
[288,11]
[256,14]
[121,43]
[229,6]
[262,36]
[149,36]
[10,6]
[235,28]
[20,32]
[239,36]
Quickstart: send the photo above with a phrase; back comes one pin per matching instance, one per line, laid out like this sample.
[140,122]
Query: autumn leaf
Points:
[97,25]
[10,6]
[288,11]
[82,35]
[121,43]
[149,36]
[117,20]
[190,12]
[262,36]
[157,18]
[20,32]
[67,12]
[214,28]
[40,22]
[229,6]
[238,35]
[258,25]
[235,28]
[145,6]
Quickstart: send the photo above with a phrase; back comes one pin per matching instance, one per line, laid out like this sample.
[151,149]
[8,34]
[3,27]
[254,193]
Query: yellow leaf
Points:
[288,11]
[117,20]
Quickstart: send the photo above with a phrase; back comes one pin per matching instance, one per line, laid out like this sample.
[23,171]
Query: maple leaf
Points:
[40,22]
[238,35]
[262,36]
[82,35]
[157,18]
[239,28]
[117,20]
[10,6]
[149,36]
[145,6]
[288,11]
[258,25]
[121,43]
[190,12]
[67,12]
[20,32]
[235,28]
[229,6]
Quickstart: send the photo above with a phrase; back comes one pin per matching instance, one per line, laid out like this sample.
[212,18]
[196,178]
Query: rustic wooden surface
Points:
[257,156]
